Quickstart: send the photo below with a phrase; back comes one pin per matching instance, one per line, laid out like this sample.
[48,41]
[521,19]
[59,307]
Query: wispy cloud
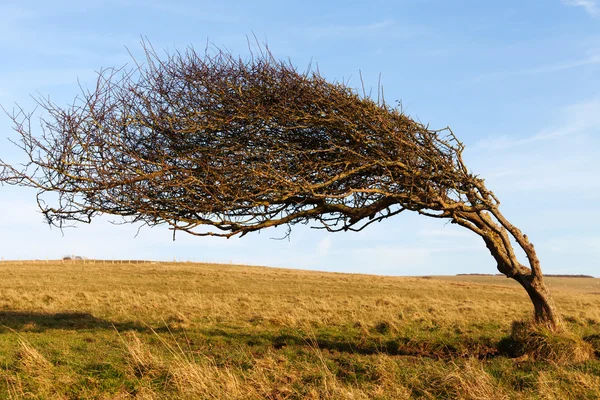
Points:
[324,246]
[591,58]
[577,118]
[590,6]
[559,159]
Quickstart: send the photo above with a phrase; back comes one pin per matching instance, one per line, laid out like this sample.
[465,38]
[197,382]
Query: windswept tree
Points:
[212,144]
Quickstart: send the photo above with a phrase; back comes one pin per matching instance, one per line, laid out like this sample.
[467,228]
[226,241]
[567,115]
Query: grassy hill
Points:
[183,330]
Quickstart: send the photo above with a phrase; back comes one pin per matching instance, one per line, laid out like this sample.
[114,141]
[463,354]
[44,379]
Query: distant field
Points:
[579,285]
[203,331]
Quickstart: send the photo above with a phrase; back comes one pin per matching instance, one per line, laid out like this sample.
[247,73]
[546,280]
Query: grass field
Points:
[166,330]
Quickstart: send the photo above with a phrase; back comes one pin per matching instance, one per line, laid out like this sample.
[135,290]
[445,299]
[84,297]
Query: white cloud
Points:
[323,246]
[590,6]
[580,118]
[554,167]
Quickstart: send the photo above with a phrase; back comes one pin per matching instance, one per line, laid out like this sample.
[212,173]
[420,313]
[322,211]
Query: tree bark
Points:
[544,310]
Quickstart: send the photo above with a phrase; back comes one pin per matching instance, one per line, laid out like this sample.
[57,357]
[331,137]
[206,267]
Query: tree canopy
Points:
[213,144]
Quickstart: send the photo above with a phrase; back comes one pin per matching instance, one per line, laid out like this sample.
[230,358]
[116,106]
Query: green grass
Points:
[159,331]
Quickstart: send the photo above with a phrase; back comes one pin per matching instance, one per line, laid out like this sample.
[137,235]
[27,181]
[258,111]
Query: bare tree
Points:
[211,144]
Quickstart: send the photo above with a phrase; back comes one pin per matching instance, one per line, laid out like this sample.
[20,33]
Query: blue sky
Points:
[518,82]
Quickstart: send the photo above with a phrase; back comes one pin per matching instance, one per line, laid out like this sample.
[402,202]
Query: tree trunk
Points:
[544,309]
[495,234]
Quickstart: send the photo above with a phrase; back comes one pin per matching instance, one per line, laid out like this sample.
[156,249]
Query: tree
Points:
[211,144]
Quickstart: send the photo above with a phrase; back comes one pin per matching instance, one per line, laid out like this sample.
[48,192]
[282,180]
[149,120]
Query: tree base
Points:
[530,340]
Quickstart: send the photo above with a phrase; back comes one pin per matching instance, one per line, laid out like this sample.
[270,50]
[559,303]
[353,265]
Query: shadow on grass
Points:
[436,348]
[40,322]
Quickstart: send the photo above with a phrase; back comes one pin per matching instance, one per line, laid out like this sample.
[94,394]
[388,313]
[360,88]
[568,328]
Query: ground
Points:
[79,329]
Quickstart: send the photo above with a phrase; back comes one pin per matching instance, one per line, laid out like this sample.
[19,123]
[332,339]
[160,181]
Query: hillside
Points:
[184,330]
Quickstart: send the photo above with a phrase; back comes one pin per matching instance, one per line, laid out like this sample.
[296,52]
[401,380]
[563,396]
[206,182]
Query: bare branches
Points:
[216,145]
[212,140]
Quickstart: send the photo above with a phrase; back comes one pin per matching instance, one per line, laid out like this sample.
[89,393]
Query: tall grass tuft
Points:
[535,342]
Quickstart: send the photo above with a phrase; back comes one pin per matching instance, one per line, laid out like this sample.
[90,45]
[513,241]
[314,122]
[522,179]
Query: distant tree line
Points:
[547,275]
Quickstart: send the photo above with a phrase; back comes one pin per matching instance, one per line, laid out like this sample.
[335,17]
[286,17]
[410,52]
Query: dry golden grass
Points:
[202,331]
